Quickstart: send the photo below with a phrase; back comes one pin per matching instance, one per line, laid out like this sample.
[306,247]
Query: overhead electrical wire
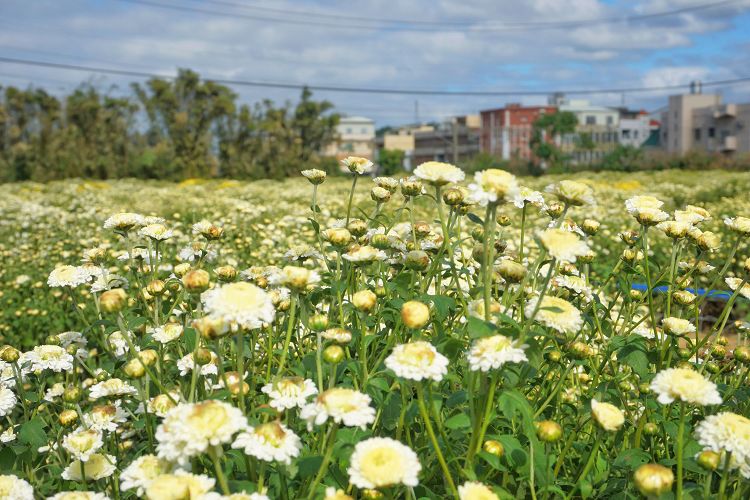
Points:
[372,90]
[376,24]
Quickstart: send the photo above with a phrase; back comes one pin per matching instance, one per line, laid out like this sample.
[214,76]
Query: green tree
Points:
[182,114]
[548,130]
[391,161]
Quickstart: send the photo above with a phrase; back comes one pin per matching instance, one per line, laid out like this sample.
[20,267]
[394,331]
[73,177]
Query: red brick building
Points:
[506,132]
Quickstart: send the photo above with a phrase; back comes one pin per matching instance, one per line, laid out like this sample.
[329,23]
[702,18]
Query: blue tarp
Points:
[713,294]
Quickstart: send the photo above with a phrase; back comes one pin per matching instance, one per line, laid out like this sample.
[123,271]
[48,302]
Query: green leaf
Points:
[309,465]
[475,219]
[460,421]
[631,459]
[32,433]
[479,328]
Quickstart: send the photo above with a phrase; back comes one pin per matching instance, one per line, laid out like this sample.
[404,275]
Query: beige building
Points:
[701,122]
[355,136]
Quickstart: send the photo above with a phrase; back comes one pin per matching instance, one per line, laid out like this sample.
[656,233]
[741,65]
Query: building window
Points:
[697,134]
[610,120]
[711,132]
[626,134]
[635,134]
[590,120]
[364,130]
[348,130]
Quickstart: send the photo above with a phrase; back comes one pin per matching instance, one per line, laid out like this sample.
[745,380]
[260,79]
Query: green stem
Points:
[351,197]
[679,451]
[288,339]
[324,464]
[433,438]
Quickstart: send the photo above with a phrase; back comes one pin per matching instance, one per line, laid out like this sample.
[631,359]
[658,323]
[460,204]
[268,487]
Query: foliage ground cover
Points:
[338,338]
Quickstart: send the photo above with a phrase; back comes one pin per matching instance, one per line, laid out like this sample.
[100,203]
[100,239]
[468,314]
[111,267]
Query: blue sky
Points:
[355,46]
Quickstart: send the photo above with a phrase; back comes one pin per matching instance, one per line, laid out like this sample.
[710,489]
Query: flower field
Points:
[438,336]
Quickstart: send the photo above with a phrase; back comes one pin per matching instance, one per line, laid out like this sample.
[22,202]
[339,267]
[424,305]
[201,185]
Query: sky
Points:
[447,45]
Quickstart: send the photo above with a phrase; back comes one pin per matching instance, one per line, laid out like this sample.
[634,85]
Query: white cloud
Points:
[146,38]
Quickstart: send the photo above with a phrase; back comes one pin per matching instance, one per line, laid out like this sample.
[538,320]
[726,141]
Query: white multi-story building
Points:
[355,136]
[702,122]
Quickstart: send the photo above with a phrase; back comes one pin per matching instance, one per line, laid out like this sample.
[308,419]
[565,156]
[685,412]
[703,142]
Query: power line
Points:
[371,90]
[635,17]
[425,26]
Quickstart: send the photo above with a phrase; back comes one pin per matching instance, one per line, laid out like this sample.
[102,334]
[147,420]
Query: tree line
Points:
[168,129]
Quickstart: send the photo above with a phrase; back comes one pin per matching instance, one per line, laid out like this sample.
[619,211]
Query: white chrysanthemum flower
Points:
[111,387]
[572,192]
[651,216]
[344,406]
[98,466]
[734,284]
[186,365]
[189,429]
[289,392]
[241,303]
[180,484]
[490,353]
[47,357]
[439,173]
[336,494]
[493,186]
[161,404]
[677,326]
[556,313]
[118,344]
[638,203]
[727,432]
[79,495]
[338,335]
[739,225]
[357,165]
[141,471]
[608,416]
[474,490]
[158,232]
[105,418]
[71,276]
[166,333]
[417,360]
[124,221]
[563,245]
[381,462]
[8,401]
[314,175]
[528,196]
[365,254]
[576,284]
[674,229]
[295,277]
[388,183]
[271,442]
[234,496]
[684,384]
[302,252]
[82,443]
[15,488]
[8,435]
[54,392]
[108,282]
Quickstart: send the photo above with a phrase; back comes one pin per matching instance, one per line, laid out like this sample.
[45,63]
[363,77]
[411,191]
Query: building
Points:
[596,134]
[402,139]
[453,141]
[637,129]
[698,121]
[355,136]
[507,132]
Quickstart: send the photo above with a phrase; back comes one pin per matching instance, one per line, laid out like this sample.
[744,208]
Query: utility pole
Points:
[416,112]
